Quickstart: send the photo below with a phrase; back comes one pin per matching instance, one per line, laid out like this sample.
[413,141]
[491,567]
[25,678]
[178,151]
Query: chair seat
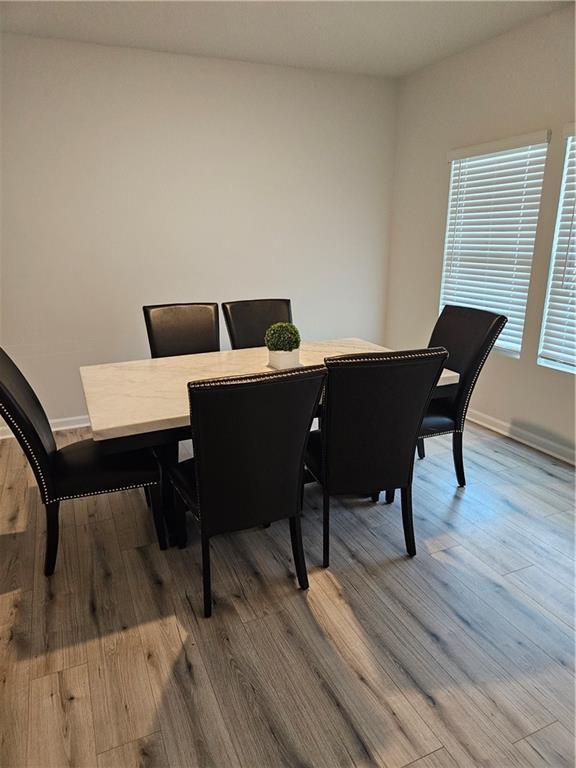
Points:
[85,468]
[314,453]
[438,419]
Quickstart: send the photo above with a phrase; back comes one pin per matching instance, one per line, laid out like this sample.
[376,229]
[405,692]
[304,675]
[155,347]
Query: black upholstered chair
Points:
[248,321]
[81,469]
[249,435]
[374,405]
[182,329]
[469,335]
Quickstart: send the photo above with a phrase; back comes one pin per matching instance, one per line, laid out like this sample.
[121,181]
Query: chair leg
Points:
[375,497]
[458,458]
[155,495]
[326,529]
[390,492]
[206,581]
[147,497]
[407,520]
[420,448]
[298,552]
[52,535]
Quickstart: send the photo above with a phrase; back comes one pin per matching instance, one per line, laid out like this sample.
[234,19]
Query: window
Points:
[557,342]
[493,209]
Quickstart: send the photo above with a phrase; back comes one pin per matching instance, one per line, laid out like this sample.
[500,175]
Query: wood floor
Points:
[462,656]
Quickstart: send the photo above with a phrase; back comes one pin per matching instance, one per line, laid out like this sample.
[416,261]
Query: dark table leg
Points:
[164,443]
[174,510]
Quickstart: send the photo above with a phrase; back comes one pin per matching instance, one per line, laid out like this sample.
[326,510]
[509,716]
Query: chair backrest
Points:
[375,404]
[468,334]
[182,329]
[249,436]
[27,421]
[248,321]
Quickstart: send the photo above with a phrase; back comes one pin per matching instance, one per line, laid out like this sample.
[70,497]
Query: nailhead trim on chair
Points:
[99,493]
[349,359]
[469,395]
[436,434]
[44,489]
[207,383]
[6,415]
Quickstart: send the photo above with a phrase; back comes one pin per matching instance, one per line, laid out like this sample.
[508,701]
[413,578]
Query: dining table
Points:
[142,403]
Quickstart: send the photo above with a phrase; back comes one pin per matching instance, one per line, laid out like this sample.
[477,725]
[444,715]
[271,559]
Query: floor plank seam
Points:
[129,741]
[528,735]
[516,570]
[423,757]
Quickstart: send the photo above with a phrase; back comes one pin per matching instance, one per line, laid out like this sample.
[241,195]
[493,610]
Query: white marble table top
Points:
[149,395]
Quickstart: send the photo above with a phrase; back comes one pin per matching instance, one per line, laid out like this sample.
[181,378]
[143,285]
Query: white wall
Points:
[518,83]
[133,177]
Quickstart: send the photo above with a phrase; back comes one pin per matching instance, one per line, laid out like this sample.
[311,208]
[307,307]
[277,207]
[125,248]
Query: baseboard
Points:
[71,422]
[546,445]
[551,447]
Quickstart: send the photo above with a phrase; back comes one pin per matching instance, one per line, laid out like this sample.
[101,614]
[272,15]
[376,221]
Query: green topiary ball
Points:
[282,337]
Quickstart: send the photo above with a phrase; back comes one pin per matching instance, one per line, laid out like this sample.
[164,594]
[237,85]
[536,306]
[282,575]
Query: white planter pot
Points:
[282,360]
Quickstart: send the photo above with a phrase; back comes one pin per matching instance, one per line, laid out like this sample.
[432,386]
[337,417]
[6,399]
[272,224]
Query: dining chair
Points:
[249,435]
[374,406]
[469,335]
[182,329]
[248,321]
[81,469]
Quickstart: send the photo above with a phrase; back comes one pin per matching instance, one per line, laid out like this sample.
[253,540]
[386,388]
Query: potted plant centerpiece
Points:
[283,342]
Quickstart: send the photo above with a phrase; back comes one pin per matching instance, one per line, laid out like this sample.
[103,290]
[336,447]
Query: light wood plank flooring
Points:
[462,656]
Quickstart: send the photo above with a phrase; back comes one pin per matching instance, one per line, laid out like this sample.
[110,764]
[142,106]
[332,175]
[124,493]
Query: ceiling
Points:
[377,38]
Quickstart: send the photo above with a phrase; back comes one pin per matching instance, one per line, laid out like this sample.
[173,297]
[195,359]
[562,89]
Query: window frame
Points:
[549,362]
[524,142]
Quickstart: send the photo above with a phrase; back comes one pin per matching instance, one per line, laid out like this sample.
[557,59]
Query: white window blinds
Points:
[557,342]
[493,211]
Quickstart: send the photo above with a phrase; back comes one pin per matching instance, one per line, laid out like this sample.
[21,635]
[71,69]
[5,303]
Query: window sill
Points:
[507,352]
[556,366]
